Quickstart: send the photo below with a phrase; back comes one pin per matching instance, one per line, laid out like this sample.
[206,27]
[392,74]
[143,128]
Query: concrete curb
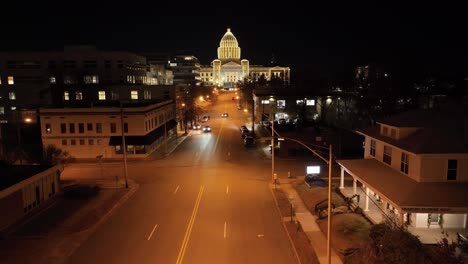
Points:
[298,259]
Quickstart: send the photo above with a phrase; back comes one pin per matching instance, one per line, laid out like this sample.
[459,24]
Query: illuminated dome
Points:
[228,47]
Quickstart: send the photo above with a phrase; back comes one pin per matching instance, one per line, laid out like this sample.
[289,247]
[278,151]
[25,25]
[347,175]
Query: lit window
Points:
[147,94]
[52,80]
[13,108]
[372,148]
[78,95]
[102,95]
[91,79]
[66,96]
[114,96]
[134,95]
[310,102]
[387,155]
[280,103]
[404,163]
[2,110]
[12,95]
[95,79]
[452,170]
[265,102]
[48,129]
[11,80]
[299,102]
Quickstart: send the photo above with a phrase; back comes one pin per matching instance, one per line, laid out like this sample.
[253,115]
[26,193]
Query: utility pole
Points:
[165,134]
[273,146]
[124,146]
[329,205]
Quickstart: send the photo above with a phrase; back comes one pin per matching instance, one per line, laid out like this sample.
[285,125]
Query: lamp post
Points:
[329,162]
[124,146]
[184,117]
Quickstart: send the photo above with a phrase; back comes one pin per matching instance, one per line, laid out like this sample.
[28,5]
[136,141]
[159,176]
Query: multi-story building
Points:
[186,69]
[229,69]
[87,133]
[370,77]
[414,171]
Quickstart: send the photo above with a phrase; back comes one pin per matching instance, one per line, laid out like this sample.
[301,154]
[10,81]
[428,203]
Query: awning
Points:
[146,140]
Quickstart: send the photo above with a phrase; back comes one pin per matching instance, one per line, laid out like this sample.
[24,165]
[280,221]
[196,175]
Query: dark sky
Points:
[325,40]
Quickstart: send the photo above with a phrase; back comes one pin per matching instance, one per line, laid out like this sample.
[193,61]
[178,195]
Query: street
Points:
[207,202]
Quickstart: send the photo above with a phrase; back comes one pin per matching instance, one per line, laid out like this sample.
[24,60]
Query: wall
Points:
[434,167]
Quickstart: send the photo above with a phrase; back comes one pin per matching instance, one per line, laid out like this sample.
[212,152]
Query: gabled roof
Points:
[439,131]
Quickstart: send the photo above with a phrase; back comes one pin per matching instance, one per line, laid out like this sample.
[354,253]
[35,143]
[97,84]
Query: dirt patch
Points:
[313,195]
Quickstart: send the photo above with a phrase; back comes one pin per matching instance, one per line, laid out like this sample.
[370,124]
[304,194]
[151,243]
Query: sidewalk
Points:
[309,225]
[172,144]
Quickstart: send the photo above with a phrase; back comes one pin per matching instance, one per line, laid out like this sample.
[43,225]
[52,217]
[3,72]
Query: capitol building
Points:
[228,69]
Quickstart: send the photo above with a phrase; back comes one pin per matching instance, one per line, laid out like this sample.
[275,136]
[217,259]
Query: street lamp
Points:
[329,162]
[184,117]
[124,146]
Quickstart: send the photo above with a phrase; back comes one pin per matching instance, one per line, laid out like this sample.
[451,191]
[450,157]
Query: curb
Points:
[284,227]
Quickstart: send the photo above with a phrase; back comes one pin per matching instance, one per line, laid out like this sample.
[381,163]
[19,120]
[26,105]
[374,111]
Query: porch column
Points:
[383,206]
[342,179]
[366,208]
[354,185]
[400,217]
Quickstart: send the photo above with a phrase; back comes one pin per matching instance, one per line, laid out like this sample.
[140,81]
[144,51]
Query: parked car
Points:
[314,179]
[242,128]
[206,129]
[205,118]
[249,141]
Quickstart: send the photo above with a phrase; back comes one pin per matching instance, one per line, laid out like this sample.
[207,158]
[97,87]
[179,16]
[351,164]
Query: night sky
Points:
[325,41]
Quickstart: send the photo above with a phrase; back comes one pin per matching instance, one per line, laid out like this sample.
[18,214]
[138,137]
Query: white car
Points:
[206,129]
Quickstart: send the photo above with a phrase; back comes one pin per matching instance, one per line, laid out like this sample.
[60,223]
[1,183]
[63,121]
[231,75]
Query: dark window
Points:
[372,148]
[64,142]
[387,155]
[73,142]
[452,170]
[72,128]
[98,128]
[126,127]
[404,163]
[113,128]
[82,141]
[91,142]
[90,126]
[81,128]
[63,128]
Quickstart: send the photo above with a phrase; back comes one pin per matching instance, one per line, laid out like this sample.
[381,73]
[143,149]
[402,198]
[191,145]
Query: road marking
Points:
[225,224]
[151,234]
[176,189]
[227,189]
[183,247]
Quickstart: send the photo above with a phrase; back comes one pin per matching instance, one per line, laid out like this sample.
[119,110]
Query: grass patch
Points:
[313,195]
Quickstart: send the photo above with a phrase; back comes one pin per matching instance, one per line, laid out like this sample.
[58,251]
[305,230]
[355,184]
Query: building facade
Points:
[415,168]
[87,133]
[26,189]
[229,69]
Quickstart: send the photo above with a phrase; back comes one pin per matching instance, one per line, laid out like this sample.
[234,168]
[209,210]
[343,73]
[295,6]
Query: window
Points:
[452,170]
[12,95]
[265,102]
[393,133]
[48,129]
[13,108]
[64,142]
[372,147]
[114,96]
[147,94]
[113,128]
[126,127]
[72,128]
[99,141]
[134,95]
[404,163]
[91,79]
[90,126]
[73,142]
[90,142]
[98,128]
[310,102]
[387,155]
[11,80]
[63,128]
[80,128]
[299,102]
[82,141]
[102,95]
[66,95]
[384,131]
[280,103]
[2,110]
[52,80]
[78,95]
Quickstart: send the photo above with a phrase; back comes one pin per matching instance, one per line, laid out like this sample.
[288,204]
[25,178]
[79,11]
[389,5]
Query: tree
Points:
[54,155]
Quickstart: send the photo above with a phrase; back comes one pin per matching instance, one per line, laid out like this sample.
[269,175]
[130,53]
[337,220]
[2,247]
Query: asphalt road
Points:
[208,202]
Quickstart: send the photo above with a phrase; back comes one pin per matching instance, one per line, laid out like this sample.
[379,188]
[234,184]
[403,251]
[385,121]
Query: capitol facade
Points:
[229,69]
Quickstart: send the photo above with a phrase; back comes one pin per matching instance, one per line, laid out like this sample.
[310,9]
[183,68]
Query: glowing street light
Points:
[28,120]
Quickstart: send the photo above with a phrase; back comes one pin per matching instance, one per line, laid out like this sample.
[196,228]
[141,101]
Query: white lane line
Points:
[225,227]
[154,228]
[176,189]
[227,189]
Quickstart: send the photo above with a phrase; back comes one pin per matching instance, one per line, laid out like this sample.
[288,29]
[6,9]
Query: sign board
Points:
[313,170]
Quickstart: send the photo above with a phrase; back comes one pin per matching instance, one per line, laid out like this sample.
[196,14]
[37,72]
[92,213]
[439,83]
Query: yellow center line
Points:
[183,247]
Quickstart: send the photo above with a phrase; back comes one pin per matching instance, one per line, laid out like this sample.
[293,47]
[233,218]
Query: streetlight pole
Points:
[124,146]
[273,148]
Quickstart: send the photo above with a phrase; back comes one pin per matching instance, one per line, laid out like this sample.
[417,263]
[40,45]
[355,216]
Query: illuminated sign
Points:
[313,169]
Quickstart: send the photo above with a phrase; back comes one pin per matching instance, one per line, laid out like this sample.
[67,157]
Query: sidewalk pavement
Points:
[309,225]
[172,144]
